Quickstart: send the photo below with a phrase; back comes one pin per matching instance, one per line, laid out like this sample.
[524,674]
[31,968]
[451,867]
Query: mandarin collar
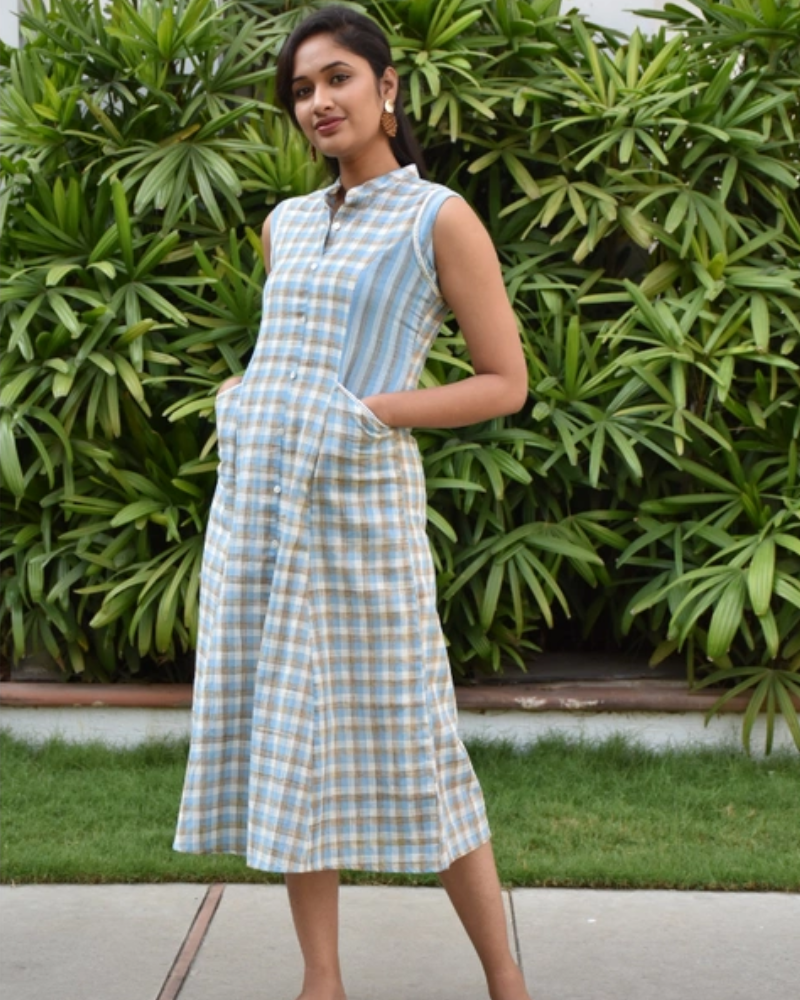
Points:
[361,191]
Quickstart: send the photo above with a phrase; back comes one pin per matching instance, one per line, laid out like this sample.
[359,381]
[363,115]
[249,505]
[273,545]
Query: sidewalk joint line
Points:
[515,930]
[177,975]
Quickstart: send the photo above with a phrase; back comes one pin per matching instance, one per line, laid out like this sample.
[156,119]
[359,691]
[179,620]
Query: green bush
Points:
[643,195]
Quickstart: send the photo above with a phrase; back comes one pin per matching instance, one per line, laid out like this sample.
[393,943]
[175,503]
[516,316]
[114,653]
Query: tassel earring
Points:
[388,119]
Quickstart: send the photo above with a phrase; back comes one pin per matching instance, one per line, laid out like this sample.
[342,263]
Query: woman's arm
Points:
[472,285]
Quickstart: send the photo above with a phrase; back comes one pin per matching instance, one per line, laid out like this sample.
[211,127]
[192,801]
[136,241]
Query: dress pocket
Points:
[226,413]
[369,419]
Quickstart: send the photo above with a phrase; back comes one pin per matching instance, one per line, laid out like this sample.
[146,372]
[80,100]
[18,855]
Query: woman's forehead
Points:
[322,52]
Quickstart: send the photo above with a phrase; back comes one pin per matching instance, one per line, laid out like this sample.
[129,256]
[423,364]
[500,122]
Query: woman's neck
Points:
[366,167]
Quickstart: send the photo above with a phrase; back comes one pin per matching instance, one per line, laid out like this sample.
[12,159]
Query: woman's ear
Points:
[390,84]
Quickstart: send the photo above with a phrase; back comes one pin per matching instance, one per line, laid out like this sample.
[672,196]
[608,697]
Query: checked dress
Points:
[324,723]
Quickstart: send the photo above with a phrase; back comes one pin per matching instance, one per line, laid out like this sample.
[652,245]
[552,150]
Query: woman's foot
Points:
[336,995]
[322,991]
[508,985]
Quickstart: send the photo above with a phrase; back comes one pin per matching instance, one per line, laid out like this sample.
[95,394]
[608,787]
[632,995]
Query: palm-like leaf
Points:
[643,197]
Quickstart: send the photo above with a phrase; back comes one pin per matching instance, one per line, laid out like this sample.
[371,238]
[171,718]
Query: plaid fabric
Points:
[324,724]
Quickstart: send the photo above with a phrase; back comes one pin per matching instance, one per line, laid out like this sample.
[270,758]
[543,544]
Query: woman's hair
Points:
[360,35]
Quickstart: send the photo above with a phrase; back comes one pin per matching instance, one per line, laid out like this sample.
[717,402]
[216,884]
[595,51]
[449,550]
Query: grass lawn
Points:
[563,814]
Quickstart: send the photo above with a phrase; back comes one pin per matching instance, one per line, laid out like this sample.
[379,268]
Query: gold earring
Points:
[388,119]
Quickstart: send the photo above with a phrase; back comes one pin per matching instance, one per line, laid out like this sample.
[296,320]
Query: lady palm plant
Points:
[127,172]
[661,319]
[643,197]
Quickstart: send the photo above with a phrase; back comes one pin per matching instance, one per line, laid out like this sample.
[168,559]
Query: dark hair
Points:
[360,35]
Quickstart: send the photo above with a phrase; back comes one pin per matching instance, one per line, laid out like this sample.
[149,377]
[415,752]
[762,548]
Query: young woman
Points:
[324,729]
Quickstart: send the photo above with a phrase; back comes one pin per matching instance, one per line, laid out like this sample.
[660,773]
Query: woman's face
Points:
[337,100]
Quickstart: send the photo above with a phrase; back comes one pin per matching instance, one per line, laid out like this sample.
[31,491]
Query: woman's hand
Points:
[229,383]
[378,405]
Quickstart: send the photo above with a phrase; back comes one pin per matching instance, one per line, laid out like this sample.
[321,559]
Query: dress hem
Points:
[420,868]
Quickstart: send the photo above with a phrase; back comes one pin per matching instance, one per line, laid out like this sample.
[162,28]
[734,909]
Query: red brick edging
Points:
[610,696]
[41,694]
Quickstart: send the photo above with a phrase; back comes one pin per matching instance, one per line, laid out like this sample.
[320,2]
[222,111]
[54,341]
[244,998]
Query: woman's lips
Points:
[328,125]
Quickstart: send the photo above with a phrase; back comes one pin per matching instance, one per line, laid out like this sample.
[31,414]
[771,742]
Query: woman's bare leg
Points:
[474,890]
[314,899]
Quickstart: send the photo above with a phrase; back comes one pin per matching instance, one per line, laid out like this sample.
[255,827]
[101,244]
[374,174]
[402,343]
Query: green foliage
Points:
[132,166]
[643,195]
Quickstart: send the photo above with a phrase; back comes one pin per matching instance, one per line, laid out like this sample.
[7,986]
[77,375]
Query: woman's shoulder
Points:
[430,196]
[428,190]
[302,203]
[298,210]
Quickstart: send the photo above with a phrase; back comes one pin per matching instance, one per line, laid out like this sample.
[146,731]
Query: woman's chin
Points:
[331,148]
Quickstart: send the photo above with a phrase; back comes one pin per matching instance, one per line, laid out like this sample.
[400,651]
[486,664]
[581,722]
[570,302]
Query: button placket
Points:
[334,226]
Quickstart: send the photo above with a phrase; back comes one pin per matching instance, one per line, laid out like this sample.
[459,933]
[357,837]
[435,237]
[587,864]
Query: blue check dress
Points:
[324,722]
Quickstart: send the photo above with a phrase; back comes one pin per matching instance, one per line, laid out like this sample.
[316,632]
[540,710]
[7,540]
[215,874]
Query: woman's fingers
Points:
[229,383]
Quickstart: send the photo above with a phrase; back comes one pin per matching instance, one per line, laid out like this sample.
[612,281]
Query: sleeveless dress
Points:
[324,720]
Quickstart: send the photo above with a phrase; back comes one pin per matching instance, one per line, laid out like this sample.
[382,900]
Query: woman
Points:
[324,728]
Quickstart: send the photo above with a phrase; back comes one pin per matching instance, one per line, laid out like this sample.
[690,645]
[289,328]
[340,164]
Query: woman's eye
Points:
[301,92]
[340,78]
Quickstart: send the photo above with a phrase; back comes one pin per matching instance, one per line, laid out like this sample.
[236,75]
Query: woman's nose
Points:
[322,98]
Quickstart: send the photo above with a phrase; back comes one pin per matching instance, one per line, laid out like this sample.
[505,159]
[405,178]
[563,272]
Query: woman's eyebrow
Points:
[338,62]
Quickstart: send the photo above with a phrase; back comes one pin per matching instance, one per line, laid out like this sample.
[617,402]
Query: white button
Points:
[314,267]
[292,376]
[274,542]
[276,489]
[337,226]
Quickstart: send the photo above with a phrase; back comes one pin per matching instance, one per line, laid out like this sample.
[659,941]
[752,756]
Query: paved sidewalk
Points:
[161,942]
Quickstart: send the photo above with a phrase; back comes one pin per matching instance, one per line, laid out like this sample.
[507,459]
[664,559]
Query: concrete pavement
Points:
[235,942]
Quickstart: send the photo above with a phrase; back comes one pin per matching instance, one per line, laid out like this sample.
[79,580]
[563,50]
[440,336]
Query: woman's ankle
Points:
[323,982]
[507,983]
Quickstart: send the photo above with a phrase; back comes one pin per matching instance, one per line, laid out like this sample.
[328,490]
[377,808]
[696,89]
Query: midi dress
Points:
[324,723]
